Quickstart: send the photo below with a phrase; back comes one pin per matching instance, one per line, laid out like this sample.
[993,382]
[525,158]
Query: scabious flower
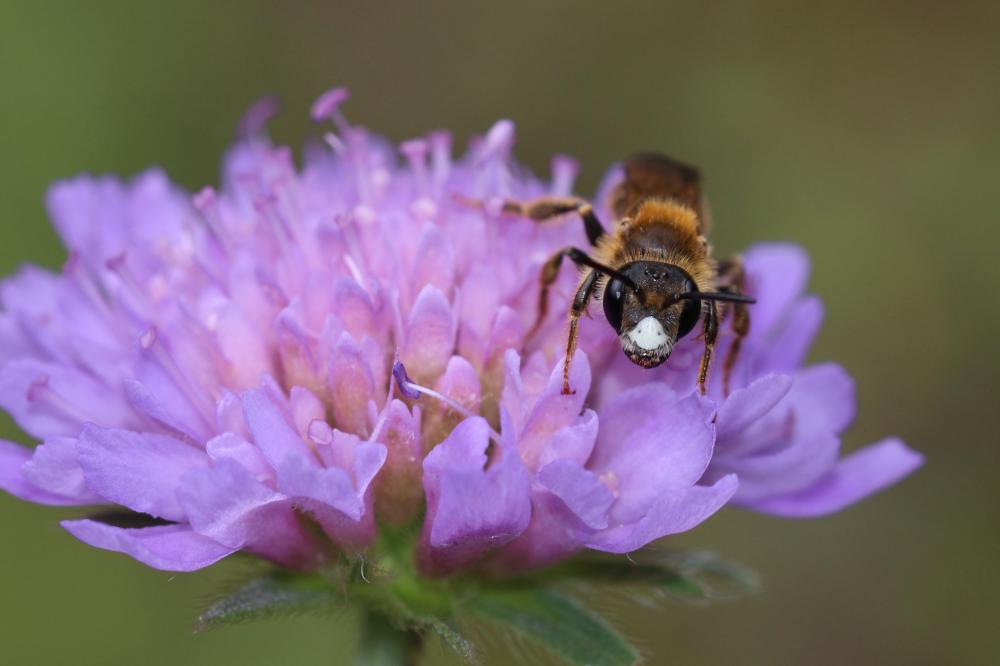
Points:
[306,356]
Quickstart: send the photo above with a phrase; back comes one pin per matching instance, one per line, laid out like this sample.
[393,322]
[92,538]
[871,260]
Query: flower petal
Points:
[798,465]
[823,399]
[581,491]
[776,276]
[671,514]
[353,306]
[789,343]
[166,547]
[229,505]
[857,476]
[332,487]
[270,429]
[434,263]
[352,386]
[230,446]
[146,403]
[664,456]
[13,458]
[633,407]
[568,505]
[575,442]
[746,405]
[471,508]
[55,467]
[139,470]
[553,410]
[48,399]
[430,336]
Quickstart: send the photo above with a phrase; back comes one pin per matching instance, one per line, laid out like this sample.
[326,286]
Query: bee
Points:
[654,272]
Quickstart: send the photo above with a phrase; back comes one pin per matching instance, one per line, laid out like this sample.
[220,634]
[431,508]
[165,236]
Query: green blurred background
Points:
[871,135]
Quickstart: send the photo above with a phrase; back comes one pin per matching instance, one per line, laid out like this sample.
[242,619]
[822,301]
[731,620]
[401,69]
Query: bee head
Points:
[651,309]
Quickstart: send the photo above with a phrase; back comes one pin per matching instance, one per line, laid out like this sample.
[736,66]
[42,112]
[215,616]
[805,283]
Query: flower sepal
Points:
[400,608]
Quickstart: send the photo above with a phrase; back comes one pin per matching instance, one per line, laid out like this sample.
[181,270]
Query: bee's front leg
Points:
[583,295]
[711,332]
[546,208]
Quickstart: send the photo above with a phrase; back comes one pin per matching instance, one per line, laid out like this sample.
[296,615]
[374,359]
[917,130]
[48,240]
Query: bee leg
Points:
[711,331]
[545,208]
[580,301]
[550,271]
[576,310]
[734,279]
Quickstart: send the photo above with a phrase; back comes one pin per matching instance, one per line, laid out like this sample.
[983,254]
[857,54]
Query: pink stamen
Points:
[149,340]
[440,158]
[327,107]
[41,392]
[89,287]
[564,172]
[352,267]
[416,151]
[493,152]
[134,291]
[335,143]
[356,139]
[254,121]
[413,390]
[499,140]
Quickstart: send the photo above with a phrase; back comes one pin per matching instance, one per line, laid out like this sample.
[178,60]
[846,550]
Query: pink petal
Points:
[139,470]
[270,429]
[55,468]
[430,336]
[671,514]
[745,406]
[857,476]
[13,458]
[166,547]
[471,509]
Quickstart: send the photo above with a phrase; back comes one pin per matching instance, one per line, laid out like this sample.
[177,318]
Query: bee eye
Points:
[612,298]
[689,317]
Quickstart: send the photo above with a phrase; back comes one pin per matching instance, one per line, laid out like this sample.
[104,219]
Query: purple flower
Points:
[779,431]
[283,365]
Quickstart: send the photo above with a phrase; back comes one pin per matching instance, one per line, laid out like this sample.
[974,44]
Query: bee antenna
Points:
[581,259]
[714,296]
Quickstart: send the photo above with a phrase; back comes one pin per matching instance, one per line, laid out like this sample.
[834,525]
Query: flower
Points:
[779,431]
[289,364]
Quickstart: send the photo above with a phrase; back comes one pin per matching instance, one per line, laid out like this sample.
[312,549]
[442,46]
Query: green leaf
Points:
[274,594]
[557,622]
[695,575]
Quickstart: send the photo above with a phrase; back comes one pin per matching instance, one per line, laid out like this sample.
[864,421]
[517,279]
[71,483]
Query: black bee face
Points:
[651,321]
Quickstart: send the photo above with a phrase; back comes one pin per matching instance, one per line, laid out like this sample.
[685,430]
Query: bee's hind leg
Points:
[732,279]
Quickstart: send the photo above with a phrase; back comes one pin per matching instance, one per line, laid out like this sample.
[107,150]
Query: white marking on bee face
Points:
[648,334]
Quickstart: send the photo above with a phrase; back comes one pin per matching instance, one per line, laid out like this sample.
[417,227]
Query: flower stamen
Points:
[40,392]
[413,390]
[149,341]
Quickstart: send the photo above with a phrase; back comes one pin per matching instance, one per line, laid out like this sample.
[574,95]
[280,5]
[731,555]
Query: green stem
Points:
[385,644]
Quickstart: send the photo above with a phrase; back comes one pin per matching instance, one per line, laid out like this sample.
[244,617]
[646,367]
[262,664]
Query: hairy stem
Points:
[385,644]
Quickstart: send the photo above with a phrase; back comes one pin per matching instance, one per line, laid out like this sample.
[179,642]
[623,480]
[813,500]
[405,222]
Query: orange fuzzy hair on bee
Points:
[661,230]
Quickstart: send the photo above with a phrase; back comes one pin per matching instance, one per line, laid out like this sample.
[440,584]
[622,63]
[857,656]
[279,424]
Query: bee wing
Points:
[656,176]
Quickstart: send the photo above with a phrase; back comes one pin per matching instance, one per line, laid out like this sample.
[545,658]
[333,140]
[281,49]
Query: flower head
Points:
[287,363]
